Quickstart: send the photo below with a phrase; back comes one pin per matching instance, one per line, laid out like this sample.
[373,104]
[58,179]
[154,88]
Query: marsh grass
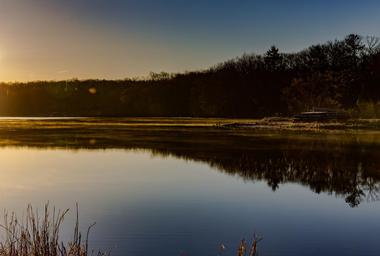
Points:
[36,235]
[244,249]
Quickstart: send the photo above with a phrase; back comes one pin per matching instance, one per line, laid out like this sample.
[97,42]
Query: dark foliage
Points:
[337,74]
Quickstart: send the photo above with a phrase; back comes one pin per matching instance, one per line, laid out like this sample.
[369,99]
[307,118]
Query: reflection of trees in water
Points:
[344,165]
[349,173]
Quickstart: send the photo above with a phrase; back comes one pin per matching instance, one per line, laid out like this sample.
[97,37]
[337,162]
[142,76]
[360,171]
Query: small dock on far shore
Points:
[321,114]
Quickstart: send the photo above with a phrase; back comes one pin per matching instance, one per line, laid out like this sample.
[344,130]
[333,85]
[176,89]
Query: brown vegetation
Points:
[35,236]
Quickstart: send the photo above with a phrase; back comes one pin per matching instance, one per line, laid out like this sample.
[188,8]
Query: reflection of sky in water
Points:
[144,205]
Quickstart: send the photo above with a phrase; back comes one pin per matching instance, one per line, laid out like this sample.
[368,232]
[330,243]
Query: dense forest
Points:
[342,74]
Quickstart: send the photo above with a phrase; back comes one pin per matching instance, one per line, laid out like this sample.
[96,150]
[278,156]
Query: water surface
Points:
[182,191]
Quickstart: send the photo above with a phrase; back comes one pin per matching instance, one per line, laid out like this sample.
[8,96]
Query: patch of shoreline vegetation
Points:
[11,125]
[40,235]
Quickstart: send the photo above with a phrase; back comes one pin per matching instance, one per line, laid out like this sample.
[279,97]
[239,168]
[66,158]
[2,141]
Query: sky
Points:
[116,39]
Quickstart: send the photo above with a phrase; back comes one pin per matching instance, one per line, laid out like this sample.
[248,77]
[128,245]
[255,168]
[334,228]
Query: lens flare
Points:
[92,90]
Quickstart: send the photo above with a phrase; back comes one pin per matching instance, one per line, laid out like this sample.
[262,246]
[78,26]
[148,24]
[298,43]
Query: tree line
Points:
[342,74]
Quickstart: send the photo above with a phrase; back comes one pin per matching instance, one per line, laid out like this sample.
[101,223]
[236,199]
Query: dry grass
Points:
[39,236]
[11,130]
[244,249]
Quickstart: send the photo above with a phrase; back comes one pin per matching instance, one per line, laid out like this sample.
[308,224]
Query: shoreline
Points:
[268,123]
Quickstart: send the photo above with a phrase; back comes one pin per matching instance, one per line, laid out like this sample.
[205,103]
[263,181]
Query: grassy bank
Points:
[61,124]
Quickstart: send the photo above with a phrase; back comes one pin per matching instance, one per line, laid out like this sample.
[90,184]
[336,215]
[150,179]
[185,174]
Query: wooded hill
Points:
[339,74]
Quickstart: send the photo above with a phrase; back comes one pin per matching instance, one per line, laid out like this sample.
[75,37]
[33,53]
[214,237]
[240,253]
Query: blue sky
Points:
[54,39]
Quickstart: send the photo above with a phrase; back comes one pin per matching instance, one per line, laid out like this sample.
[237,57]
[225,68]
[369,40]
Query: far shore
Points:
[277,123]
[269,123]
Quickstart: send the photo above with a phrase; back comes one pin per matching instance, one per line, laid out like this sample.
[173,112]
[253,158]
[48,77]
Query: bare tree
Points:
[372,44]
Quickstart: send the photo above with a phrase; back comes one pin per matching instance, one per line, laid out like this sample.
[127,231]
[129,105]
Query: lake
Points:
[183,190]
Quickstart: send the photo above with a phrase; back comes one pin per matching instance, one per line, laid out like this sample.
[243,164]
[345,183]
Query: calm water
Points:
[306,195]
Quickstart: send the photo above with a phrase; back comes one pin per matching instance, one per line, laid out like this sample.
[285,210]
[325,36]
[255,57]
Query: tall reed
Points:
[40,236]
